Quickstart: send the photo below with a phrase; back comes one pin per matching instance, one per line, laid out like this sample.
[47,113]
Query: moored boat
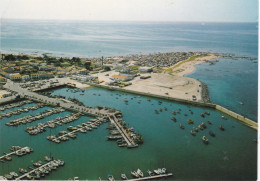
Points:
[134,174]
[123,176]
[140,173]
[205,140]
[212,134]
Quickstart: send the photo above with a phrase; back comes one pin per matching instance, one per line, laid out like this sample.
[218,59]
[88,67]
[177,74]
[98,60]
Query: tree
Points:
[10,58]
[88,65]
[106,68]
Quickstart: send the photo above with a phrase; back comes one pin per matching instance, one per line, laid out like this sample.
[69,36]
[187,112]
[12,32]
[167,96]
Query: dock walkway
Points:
[152,177]
[22,176]
[77,130]
[9,154]
[128,140]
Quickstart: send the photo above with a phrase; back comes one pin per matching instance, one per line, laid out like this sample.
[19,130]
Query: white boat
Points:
[163,170]
[157,172]
[140,173]
[134,174]
[123,176]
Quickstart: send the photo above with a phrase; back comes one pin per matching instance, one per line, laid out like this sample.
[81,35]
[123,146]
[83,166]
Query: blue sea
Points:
[230,82]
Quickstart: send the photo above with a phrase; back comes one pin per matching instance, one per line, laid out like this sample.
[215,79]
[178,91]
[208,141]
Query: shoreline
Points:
[187,67]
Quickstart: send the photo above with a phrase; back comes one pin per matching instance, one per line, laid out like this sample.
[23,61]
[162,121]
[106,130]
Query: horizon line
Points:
[152,21]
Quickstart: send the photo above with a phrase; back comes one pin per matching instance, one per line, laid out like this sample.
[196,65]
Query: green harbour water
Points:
[231,155]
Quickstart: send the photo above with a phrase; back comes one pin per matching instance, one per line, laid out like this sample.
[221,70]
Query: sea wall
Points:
[208,105]
[243,119]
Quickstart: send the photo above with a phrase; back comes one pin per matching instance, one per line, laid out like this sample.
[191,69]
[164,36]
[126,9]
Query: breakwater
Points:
[239,117]
[205,92]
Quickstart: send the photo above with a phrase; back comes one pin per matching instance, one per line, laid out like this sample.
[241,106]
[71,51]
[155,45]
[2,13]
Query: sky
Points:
[132,10]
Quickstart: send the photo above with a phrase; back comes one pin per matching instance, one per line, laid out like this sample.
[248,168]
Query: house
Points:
[16,76]
[25,77]
[35,76]
[2,79]
[8,69]
[122,77]
[61,74]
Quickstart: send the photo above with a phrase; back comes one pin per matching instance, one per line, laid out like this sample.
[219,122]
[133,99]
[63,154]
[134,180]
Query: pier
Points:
[13,153]
[122,131]
[34,170]
[84,126]
[152,177]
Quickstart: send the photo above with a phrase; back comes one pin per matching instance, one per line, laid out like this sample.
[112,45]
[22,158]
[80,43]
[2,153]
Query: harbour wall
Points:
[245,120]
[239,117]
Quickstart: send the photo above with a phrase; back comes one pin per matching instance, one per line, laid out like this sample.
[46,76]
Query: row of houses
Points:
[19,77]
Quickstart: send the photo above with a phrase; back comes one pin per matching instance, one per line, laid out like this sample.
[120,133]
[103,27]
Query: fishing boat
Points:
[190,121]
[192,133]
[140,173]
[209,122]
[160,109]
[212,134]
[223,117]
[202,115]
[156,111]
[149,173]
[123,176]
[165,108]
[221,128]
[174,119]
[205,140]
[207,113]
[181,126]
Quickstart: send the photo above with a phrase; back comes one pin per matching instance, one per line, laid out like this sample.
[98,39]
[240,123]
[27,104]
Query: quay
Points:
[129,141]
[152,177]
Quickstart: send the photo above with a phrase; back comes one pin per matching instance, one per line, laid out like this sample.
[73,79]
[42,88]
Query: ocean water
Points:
[232,84]
[91,156]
